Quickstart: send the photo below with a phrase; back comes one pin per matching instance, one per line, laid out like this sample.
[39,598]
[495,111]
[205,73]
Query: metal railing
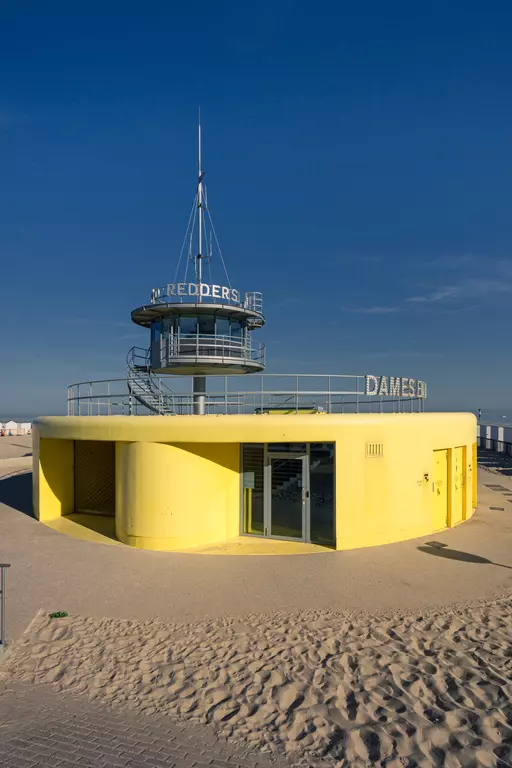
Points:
[3,566]
[253,393]
[492,444]
[253,300]
[149,391]
[220,347]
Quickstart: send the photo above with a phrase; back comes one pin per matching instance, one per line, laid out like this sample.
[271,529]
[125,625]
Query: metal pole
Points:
[3,566]
[199,264]
[199,390]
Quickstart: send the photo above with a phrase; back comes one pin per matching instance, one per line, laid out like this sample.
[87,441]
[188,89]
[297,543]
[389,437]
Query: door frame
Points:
[451,482]
[447,453]
[267,479]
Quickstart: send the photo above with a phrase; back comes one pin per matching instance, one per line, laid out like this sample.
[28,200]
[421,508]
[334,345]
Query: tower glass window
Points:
[223,326]
[236,330]
[188,325]
[206,325]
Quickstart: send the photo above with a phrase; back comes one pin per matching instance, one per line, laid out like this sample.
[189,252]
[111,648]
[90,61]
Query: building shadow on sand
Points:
[438,549]
[16,492]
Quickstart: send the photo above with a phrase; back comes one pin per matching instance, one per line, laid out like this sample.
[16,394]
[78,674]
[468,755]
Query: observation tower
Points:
[333,460]
[197,328]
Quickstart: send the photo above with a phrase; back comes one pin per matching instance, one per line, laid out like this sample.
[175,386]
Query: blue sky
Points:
[359,170]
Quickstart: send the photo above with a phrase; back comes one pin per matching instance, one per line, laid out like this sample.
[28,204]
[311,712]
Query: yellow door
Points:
[474,466]
[440,489]
[458,489]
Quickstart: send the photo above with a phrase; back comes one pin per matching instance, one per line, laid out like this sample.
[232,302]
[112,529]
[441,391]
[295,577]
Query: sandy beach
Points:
[396,683]
[425,689]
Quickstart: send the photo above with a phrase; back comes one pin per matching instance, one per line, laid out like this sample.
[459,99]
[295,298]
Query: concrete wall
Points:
[178,478]
[176,496]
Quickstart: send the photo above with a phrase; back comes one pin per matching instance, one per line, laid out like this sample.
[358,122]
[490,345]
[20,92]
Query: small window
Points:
[167,327]
[206,325]
[188,325]
[223,326]
[236,329]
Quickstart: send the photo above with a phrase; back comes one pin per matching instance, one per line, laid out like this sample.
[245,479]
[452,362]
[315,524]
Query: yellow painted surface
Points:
[457,486]
[473,477]
[53,478]
[257,545]
[178,479]
[96,528]
[176,496]
[440,489]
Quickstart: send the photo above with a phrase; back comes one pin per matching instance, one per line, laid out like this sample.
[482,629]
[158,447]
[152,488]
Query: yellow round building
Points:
[343,481]
[286,457]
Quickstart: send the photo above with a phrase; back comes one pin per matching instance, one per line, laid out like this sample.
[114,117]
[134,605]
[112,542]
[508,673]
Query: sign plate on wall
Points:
[248,480]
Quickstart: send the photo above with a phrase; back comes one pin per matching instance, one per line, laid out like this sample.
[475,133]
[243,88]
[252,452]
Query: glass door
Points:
[288,495]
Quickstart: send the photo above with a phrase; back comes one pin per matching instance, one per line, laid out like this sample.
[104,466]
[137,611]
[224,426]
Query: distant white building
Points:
[16,428]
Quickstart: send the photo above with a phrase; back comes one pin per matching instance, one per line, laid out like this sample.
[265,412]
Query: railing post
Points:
[3,566]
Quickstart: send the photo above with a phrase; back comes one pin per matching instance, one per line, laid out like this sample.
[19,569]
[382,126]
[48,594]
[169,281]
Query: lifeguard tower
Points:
[186,452]
[197,328]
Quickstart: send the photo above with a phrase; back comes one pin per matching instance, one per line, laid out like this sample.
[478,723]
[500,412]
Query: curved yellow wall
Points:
[178,478]
[176,496]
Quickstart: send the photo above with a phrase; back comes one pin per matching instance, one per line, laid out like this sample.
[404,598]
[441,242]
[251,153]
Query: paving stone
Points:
[41,728]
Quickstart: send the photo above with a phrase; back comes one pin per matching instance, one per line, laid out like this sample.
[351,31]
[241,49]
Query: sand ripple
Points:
[414,691]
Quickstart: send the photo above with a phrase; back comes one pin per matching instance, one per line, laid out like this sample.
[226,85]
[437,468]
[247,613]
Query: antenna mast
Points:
[199,264]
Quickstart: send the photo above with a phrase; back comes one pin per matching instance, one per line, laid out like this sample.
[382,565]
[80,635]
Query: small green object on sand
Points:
[58,615]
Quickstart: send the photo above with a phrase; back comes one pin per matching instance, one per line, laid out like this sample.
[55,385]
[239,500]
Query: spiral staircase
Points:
[148,390]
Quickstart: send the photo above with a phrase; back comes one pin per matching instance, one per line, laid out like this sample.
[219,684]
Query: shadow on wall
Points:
[16,492]
[438,549]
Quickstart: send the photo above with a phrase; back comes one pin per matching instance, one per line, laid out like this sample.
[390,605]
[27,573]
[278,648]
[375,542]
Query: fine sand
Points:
[414,690]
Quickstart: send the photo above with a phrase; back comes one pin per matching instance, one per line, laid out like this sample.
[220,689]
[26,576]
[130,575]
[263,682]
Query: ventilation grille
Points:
[95,477]
[374,450]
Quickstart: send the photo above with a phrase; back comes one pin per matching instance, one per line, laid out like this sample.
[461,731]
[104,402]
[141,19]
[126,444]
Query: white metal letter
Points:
[371,380]
[383,387]
[394,386]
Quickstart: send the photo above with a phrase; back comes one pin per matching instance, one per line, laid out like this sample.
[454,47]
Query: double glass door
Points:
[288,491]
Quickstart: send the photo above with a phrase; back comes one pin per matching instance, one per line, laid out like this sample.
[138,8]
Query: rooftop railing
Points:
[246,394]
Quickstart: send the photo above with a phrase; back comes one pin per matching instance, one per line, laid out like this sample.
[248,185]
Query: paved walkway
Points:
[56,572]
[39,727]
[44,729]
